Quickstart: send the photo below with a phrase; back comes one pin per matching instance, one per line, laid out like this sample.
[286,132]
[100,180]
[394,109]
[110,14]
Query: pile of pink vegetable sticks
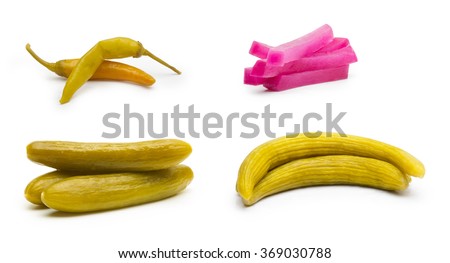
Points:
[311,59]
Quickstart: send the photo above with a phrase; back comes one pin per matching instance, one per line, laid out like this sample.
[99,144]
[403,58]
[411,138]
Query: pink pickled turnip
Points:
[284,82]
[259,69]
[259,49]
[319,60]
[335,44]
[314,58]
[300,47]
[252,80]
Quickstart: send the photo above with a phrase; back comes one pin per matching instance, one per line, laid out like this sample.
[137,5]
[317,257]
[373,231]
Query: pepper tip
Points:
[63,101]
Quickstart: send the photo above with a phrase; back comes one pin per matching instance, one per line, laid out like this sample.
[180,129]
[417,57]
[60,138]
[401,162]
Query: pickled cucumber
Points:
[37,185]
[330,170]
[109,157]
[90,193]
[282,150]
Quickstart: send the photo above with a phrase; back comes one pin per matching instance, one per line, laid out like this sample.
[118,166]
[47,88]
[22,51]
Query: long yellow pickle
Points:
[35,188]
[89,193]
[330,170]
[274,153]
[109,157]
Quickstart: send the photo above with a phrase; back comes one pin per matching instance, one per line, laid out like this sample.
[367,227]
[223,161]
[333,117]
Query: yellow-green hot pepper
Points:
[119,47]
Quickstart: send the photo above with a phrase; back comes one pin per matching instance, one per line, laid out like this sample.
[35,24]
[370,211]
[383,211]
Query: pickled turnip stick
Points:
[335,44]
[259,50]
[300,47]
[252,80]
[284,82]
[319,60]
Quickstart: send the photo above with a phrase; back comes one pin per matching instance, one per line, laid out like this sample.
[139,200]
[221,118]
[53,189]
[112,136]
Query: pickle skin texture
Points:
[88,193]
[109,157]
[330,170]
[282,150]
[35,188]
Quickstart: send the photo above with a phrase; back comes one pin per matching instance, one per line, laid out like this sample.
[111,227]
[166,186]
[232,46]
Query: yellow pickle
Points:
[91,193]
[287,162]
[103,176]
[109,157]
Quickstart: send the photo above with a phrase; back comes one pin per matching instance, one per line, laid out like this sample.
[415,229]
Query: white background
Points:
[396,93]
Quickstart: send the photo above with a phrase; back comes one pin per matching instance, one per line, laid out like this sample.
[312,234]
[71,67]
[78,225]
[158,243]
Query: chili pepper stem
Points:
[48,65]
[148,53]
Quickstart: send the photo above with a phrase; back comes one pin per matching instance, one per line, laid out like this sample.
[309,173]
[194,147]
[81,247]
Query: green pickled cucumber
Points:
[35,188]
[90,193]
[109,157]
